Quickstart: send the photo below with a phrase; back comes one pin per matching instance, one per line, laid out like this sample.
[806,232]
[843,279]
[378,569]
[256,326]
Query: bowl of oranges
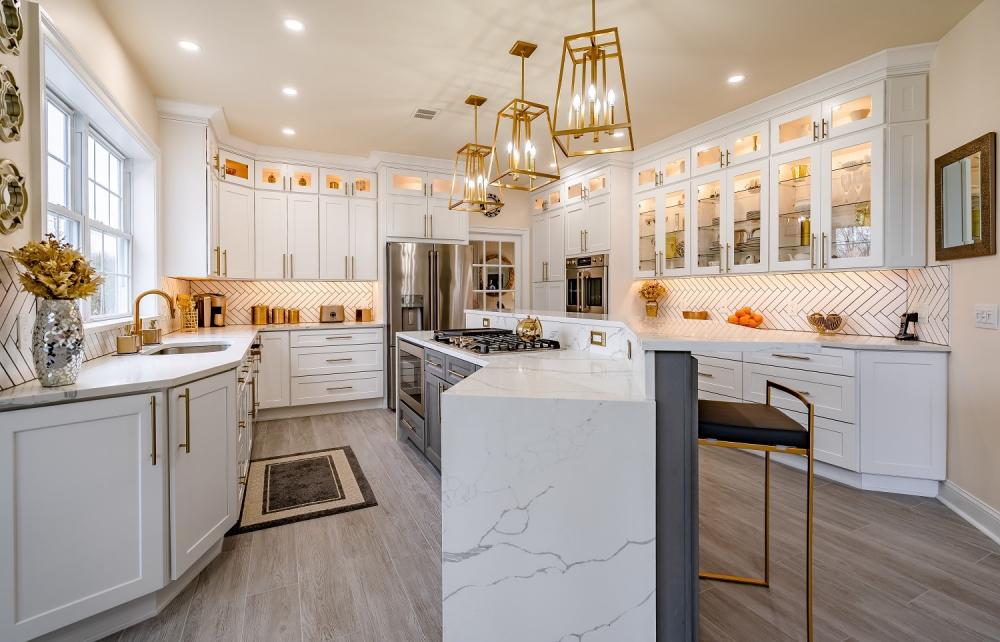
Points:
[746,317]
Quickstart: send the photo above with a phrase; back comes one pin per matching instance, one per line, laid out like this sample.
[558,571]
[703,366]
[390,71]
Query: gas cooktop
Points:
[487,340]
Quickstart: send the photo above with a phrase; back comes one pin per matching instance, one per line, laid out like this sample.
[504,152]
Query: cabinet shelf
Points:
[853,166]
[797,182]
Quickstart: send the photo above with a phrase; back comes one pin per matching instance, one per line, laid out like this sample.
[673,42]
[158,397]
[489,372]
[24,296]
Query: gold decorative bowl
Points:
[826,323]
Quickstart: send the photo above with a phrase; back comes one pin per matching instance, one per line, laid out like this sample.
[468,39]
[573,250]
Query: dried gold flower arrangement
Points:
[652,290]
[55,270]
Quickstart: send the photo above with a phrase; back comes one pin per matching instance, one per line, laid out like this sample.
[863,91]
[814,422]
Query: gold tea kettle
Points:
[529,329]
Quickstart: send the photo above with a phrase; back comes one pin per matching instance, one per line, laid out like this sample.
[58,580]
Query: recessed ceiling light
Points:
[287,131]
[294,25]
[736,79]
[290,91]
[188,45]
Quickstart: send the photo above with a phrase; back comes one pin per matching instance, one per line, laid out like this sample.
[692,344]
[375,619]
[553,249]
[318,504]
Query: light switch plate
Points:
[598,338]
[986,316]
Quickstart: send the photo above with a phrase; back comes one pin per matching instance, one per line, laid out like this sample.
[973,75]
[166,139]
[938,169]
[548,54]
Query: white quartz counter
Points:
[546,374]
[682,334]
[128,374]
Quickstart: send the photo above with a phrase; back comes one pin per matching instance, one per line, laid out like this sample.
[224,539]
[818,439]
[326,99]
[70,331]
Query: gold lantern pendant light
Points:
[473,160]
[523,158]
[591,88]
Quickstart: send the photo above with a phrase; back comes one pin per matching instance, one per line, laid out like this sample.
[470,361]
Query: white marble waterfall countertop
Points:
[114,375]
[683,334]
[546,374]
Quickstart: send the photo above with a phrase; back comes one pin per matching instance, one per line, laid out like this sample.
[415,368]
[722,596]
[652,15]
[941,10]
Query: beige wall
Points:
[514,215]
[964,99]
[83,25]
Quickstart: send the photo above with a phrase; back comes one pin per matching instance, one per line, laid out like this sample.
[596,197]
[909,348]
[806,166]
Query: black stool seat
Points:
[749,423]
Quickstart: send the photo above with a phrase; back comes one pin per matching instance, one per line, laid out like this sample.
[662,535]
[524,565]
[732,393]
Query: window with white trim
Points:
[88,204]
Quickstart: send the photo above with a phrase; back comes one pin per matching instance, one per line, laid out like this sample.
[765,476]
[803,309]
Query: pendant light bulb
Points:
[592,93]
[611,98]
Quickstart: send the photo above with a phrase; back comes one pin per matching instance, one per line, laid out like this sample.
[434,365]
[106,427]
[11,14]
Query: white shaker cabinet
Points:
[272,378]
[271,233]
[303,237]
[417,205]
[82,524]
[202,459]
[234,255]
[348,229]
[548,258]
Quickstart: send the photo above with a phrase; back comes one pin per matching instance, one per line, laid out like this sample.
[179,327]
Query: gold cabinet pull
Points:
[187,421]
[291,266]
[791,356]
[455,374]
[225,262]
[253,398]
[339,388]
[354,272]
[707,375]
[341,359]
[822,250]
[152,407]
[218,260]
[815,131]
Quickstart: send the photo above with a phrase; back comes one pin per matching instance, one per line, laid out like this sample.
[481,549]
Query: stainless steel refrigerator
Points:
[428,287]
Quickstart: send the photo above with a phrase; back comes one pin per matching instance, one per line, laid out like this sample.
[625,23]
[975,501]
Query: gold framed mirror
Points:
[965,200]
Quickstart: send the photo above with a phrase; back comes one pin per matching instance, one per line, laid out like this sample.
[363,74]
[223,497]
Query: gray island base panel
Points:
[676,394]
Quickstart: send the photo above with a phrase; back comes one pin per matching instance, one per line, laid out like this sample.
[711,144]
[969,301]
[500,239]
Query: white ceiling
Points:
[361,68]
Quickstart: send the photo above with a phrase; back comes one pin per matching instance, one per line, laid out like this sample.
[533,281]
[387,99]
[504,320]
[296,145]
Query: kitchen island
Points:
[569,478]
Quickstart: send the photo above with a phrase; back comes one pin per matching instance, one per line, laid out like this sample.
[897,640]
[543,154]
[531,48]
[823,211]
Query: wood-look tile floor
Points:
[887,567]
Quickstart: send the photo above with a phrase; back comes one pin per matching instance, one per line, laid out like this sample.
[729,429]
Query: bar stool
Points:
[748,426]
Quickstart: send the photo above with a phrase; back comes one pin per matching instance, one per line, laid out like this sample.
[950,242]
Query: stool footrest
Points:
[736,579]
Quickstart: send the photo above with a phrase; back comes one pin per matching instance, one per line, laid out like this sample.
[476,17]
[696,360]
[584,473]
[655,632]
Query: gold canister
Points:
[805,231]
[278,315]
[293,315]
[259,315]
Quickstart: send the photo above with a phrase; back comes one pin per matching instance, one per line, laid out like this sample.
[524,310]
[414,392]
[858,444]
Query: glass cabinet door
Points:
[747,144]
[271,176]
[854,110]
[746,195]
[403,183]
[853,182]
[796,129]
[303,178]
[646,176]
[596,184]
[706,240]
[795,209]
[674,234]
[332,182]
[362,184]
[675,167]
[647,253]
[708,157]
[235,168]
[574,191]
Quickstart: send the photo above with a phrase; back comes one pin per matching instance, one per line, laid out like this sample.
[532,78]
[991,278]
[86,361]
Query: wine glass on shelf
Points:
[845,185]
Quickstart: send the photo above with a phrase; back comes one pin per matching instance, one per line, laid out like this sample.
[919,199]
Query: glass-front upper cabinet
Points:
[271,176]
[597,183]
[795,209]
[647,251]
[747,144]
[854,110]
[303,178]
[363,184]
[708,157]
[406,183]
[333,182]
[706,239]
[237,169]
[746,230]
[441,186]
[674,231]
[796,128]
[852,201]
[661,171]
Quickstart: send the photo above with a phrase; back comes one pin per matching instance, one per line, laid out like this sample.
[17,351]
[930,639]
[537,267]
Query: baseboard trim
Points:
[862,481]
[309,410]
[972,509]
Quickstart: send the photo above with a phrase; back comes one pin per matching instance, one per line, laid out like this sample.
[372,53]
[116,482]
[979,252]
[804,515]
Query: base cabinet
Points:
[434,387]
[202,453]
[72,550]
[272,381]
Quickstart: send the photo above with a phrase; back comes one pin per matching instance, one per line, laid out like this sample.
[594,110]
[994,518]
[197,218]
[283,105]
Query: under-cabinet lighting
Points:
[188,45]
[290,91]
[736,79]
[294,25]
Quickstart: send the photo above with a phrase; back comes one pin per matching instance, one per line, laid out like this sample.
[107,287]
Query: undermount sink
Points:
[190,348]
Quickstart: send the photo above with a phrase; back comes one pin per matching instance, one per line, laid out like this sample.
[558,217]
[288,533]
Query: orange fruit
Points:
[733,319]
[757,317]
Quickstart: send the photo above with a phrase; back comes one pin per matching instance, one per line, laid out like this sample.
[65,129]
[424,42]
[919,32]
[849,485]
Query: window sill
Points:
[108,324]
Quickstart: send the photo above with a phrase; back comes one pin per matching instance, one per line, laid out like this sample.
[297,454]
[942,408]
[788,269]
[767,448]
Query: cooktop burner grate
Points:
[485,341]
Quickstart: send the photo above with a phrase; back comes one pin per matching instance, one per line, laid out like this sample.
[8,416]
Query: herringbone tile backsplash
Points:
[307,296]
[871,301]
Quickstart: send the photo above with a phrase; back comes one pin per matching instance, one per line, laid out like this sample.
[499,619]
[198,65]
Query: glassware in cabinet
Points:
[746,229]
[795,209]
[747,144]
[647,252]
[706,237]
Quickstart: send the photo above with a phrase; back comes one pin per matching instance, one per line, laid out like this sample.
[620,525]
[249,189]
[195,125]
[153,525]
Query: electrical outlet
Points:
[598,338]
[24,322]
[486,322]
[986,316]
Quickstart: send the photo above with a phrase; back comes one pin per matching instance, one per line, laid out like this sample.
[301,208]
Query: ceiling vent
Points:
[425,114]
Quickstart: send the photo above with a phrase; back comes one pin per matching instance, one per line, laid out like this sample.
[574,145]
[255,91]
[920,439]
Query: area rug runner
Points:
[293,488]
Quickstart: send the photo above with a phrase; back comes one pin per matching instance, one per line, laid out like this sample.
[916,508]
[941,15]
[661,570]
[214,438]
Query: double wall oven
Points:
[587,284]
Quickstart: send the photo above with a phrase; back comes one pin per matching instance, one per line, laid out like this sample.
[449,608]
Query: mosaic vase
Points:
[57,341]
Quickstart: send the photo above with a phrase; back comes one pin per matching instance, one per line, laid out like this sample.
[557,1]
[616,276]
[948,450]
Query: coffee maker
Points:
[211,308]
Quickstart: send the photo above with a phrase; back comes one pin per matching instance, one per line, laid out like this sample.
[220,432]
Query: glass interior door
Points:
[745,212]
[794,219]
[493,268]
[709,221]
[850,226]
[674,215]
[646,236]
